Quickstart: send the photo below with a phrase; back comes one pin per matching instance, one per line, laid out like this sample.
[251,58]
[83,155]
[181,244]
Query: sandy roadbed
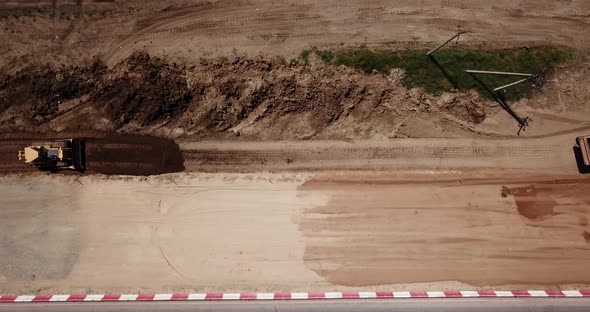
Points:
[288,232]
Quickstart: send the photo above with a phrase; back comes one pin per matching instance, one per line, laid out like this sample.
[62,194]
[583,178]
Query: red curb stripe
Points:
[282,296]
[316,295]
[214,296]
[350,295]
[75,298]
[178,297]
[486,293]
[453,293]
[521,293]
[42,298]
[110,297]
[555,293]
[290,296]
[384,294]
[418,294]
[7,298]
[248,296]
[145,297]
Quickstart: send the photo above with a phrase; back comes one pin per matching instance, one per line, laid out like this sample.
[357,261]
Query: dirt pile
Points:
[142,89]
[257,98]
[44,88]
[265,92]
[252,99]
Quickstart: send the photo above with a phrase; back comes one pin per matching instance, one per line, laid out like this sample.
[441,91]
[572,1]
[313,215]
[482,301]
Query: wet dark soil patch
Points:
[533,202]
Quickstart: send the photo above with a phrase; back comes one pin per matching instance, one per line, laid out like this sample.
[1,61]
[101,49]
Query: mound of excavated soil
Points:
[254,99]
[142,89]
[41,89]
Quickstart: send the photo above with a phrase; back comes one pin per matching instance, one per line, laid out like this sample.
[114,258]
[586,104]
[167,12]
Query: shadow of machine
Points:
[133,155]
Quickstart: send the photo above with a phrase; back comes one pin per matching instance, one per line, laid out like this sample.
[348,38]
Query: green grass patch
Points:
[305,56]
[446,69]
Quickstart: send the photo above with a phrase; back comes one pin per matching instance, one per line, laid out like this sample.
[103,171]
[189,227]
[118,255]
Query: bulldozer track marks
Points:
[95,165]
[123,146]
[49,143]
[341,156]
[366,153]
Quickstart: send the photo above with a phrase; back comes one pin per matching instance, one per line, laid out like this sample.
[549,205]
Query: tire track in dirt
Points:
[206,19]
[395,154]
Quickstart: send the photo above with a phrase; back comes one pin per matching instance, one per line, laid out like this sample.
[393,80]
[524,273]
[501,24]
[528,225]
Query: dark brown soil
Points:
[142,89]
[133,155]
[533,202]
[41,89]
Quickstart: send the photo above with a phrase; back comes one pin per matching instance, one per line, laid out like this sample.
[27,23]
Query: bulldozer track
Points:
[95,165]
[49,143]
[245,156]
[389,154]
[122,146]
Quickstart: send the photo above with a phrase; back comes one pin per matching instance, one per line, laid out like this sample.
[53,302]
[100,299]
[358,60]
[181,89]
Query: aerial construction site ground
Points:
[255,145]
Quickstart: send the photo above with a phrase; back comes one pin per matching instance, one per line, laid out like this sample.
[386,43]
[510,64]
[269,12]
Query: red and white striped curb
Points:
[299,296]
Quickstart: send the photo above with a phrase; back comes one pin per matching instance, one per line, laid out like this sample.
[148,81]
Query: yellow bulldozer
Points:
[55,155]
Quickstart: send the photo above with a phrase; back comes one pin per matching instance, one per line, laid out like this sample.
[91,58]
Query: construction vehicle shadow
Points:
[582,168]
[522,122]
[133,155]
[444,72]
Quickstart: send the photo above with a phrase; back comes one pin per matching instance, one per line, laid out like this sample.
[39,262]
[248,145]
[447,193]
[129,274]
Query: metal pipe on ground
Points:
[511,84]
[485,72]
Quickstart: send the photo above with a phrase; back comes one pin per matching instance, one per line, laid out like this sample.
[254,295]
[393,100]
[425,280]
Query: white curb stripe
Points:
[162,297]
[469,293]
[24,298]
[93,297]
[367,295]
[128,298]
[230,297]
[59,298]
[436,294]
[401,294]
[265,296]
[538,293]
[333,295]
[572,293]
[196,296]
[299,296]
